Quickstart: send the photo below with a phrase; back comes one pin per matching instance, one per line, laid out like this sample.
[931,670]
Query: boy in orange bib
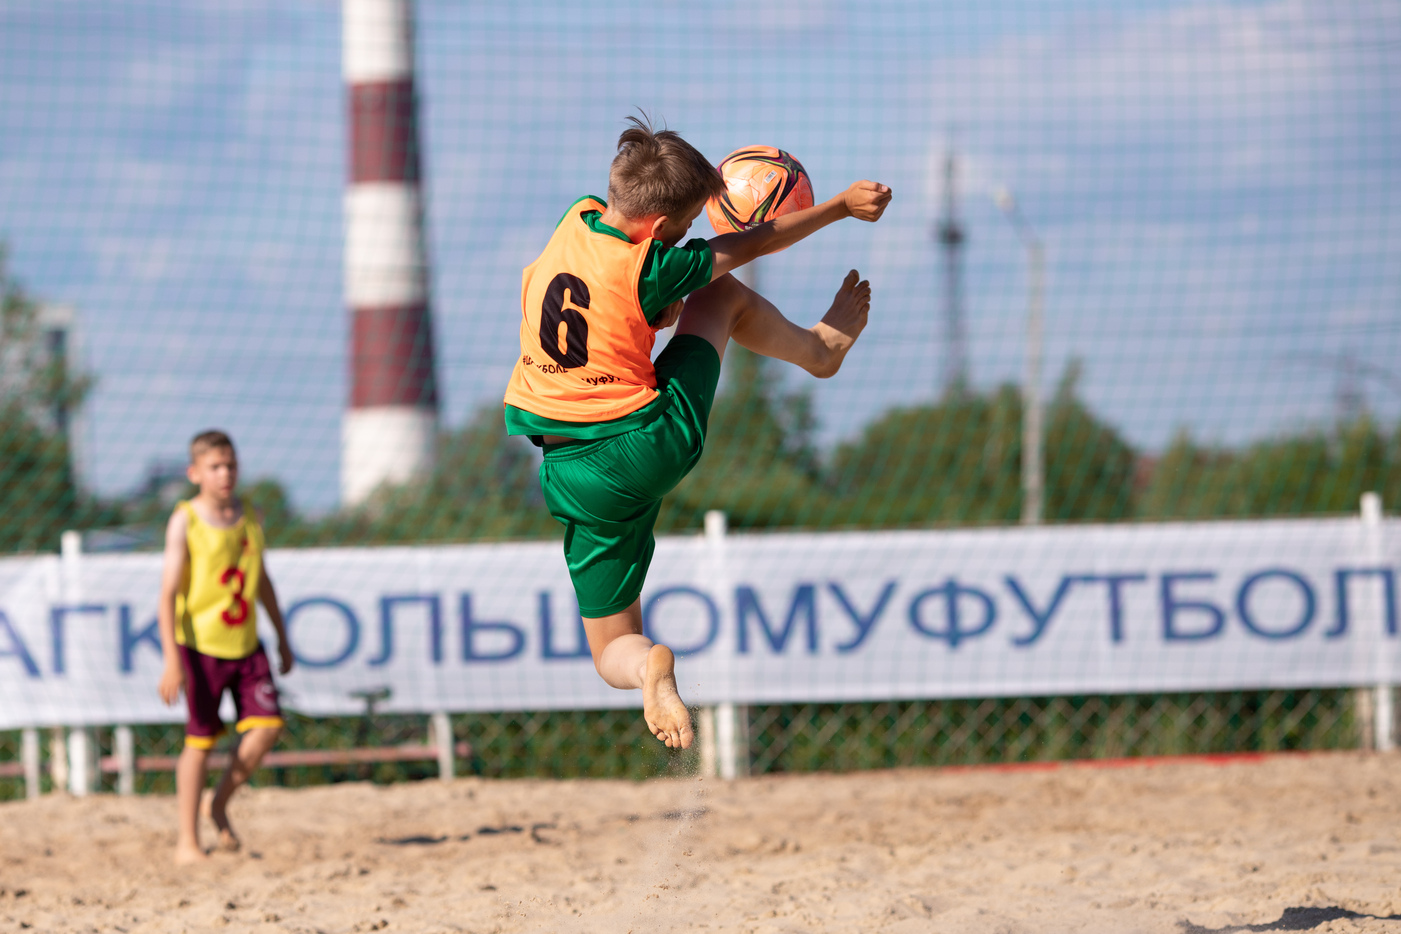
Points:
[211,582]
[619,432]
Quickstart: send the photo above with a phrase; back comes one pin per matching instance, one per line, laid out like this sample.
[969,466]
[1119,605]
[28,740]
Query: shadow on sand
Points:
[1293,919]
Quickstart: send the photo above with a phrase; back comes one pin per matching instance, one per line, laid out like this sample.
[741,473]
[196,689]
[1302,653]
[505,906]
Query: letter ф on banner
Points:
[954,631]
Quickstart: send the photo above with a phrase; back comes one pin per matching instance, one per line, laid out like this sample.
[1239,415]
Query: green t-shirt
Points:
[668,273]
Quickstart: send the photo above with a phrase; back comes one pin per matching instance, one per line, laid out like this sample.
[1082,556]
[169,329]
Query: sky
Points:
[1216,185]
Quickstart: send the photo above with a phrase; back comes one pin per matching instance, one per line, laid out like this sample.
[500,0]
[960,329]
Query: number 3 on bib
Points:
[564,334]
[237,612]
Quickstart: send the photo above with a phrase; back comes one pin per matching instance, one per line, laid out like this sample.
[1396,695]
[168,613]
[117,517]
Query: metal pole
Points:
[1033,444]
[1033,467]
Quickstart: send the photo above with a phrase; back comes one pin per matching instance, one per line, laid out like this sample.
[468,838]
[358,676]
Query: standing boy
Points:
[212,579]
[619,432]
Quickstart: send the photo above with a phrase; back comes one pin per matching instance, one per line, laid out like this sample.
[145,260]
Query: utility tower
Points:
[950,235]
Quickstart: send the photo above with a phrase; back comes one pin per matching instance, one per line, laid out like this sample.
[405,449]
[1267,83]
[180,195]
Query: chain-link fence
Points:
[1210,192]
[791,738]
[1154,249]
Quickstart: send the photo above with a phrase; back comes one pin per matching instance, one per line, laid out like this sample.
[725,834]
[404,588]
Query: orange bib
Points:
[586,346]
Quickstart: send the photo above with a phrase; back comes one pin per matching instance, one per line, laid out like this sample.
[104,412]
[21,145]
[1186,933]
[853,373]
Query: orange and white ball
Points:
[761,183]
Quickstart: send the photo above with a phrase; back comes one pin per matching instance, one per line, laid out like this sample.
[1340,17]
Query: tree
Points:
[1089,466]
[38,495]
[956,461]
[959,461]
[1309,473]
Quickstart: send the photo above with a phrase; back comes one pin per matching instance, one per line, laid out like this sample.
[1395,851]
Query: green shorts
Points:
[607,493]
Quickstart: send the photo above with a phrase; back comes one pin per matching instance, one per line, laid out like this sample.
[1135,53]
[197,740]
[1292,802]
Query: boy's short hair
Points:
[208,441]
[658,172]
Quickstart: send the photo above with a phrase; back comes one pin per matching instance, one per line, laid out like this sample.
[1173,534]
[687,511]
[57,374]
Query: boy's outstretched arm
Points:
[268,598]
[863,200]
[172,574]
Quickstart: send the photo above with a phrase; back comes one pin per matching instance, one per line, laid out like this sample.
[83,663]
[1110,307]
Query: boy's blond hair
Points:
[658,172]
[208,441]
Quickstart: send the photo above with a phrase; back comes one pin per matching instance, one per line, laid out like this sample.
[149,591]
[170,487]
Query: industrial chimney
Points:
[390,429]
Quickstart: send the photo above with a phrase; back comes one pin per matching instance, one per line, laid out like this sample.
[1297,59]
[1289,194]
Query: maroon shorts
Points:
[206,679]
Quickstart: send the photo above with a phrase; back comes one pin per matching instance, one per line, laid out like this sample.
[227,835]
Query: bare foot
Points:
[662,707]
[219,814]
[842,323]
[189,854]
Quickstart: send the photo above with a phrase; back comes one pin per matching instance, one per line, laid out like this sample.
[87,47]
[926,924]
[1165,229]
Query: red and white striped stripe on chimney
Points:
[390,430]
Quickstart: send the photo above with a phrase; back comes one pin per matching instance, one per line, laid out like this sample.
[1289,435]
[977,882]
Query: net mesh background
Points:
[1215,187]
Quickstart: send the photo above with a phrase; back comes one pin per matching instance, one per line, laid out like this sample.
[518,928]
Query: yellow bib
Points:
[216,609]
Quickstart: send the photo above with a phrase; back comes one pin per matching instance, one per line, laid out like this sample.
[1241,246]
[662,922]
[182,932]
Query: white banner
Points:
[755,618]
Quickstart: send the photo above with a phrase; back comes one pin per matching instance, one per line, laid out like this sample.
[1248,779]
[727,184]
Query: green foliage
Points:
[272,503]
[956,461]
[30,376]
[903,734]
[483,487]
[953,462]
[959,462]
[1311,473]
[1089,466]
[760,466]
[38,496]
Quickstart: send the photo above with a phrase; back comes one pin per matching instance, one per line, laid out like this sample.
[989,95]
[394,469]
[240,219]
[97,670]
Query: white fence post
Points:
[81,765]
[724,727]
[82,761]
[441,725]
[1381,707]
[705,720]
[29,755]
[705,734]
[125,750]
[732,740]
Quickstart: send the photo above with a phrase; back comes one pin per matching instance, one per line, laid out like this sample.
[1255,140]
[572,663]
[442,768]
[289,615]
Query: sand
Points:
[1303,842]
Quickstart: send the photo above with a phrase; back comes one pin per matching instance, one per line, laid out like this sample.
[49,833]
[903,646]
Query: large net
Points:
[1197,201]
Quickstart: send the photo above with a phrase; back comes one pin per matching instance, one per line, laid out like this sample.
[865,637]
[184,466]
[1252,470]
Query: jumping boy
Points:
[619,432]
[212,579]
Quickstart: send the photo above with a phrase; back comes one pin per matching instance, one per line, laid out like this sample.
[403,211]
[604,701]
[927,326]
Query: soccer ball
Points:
[761,183]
